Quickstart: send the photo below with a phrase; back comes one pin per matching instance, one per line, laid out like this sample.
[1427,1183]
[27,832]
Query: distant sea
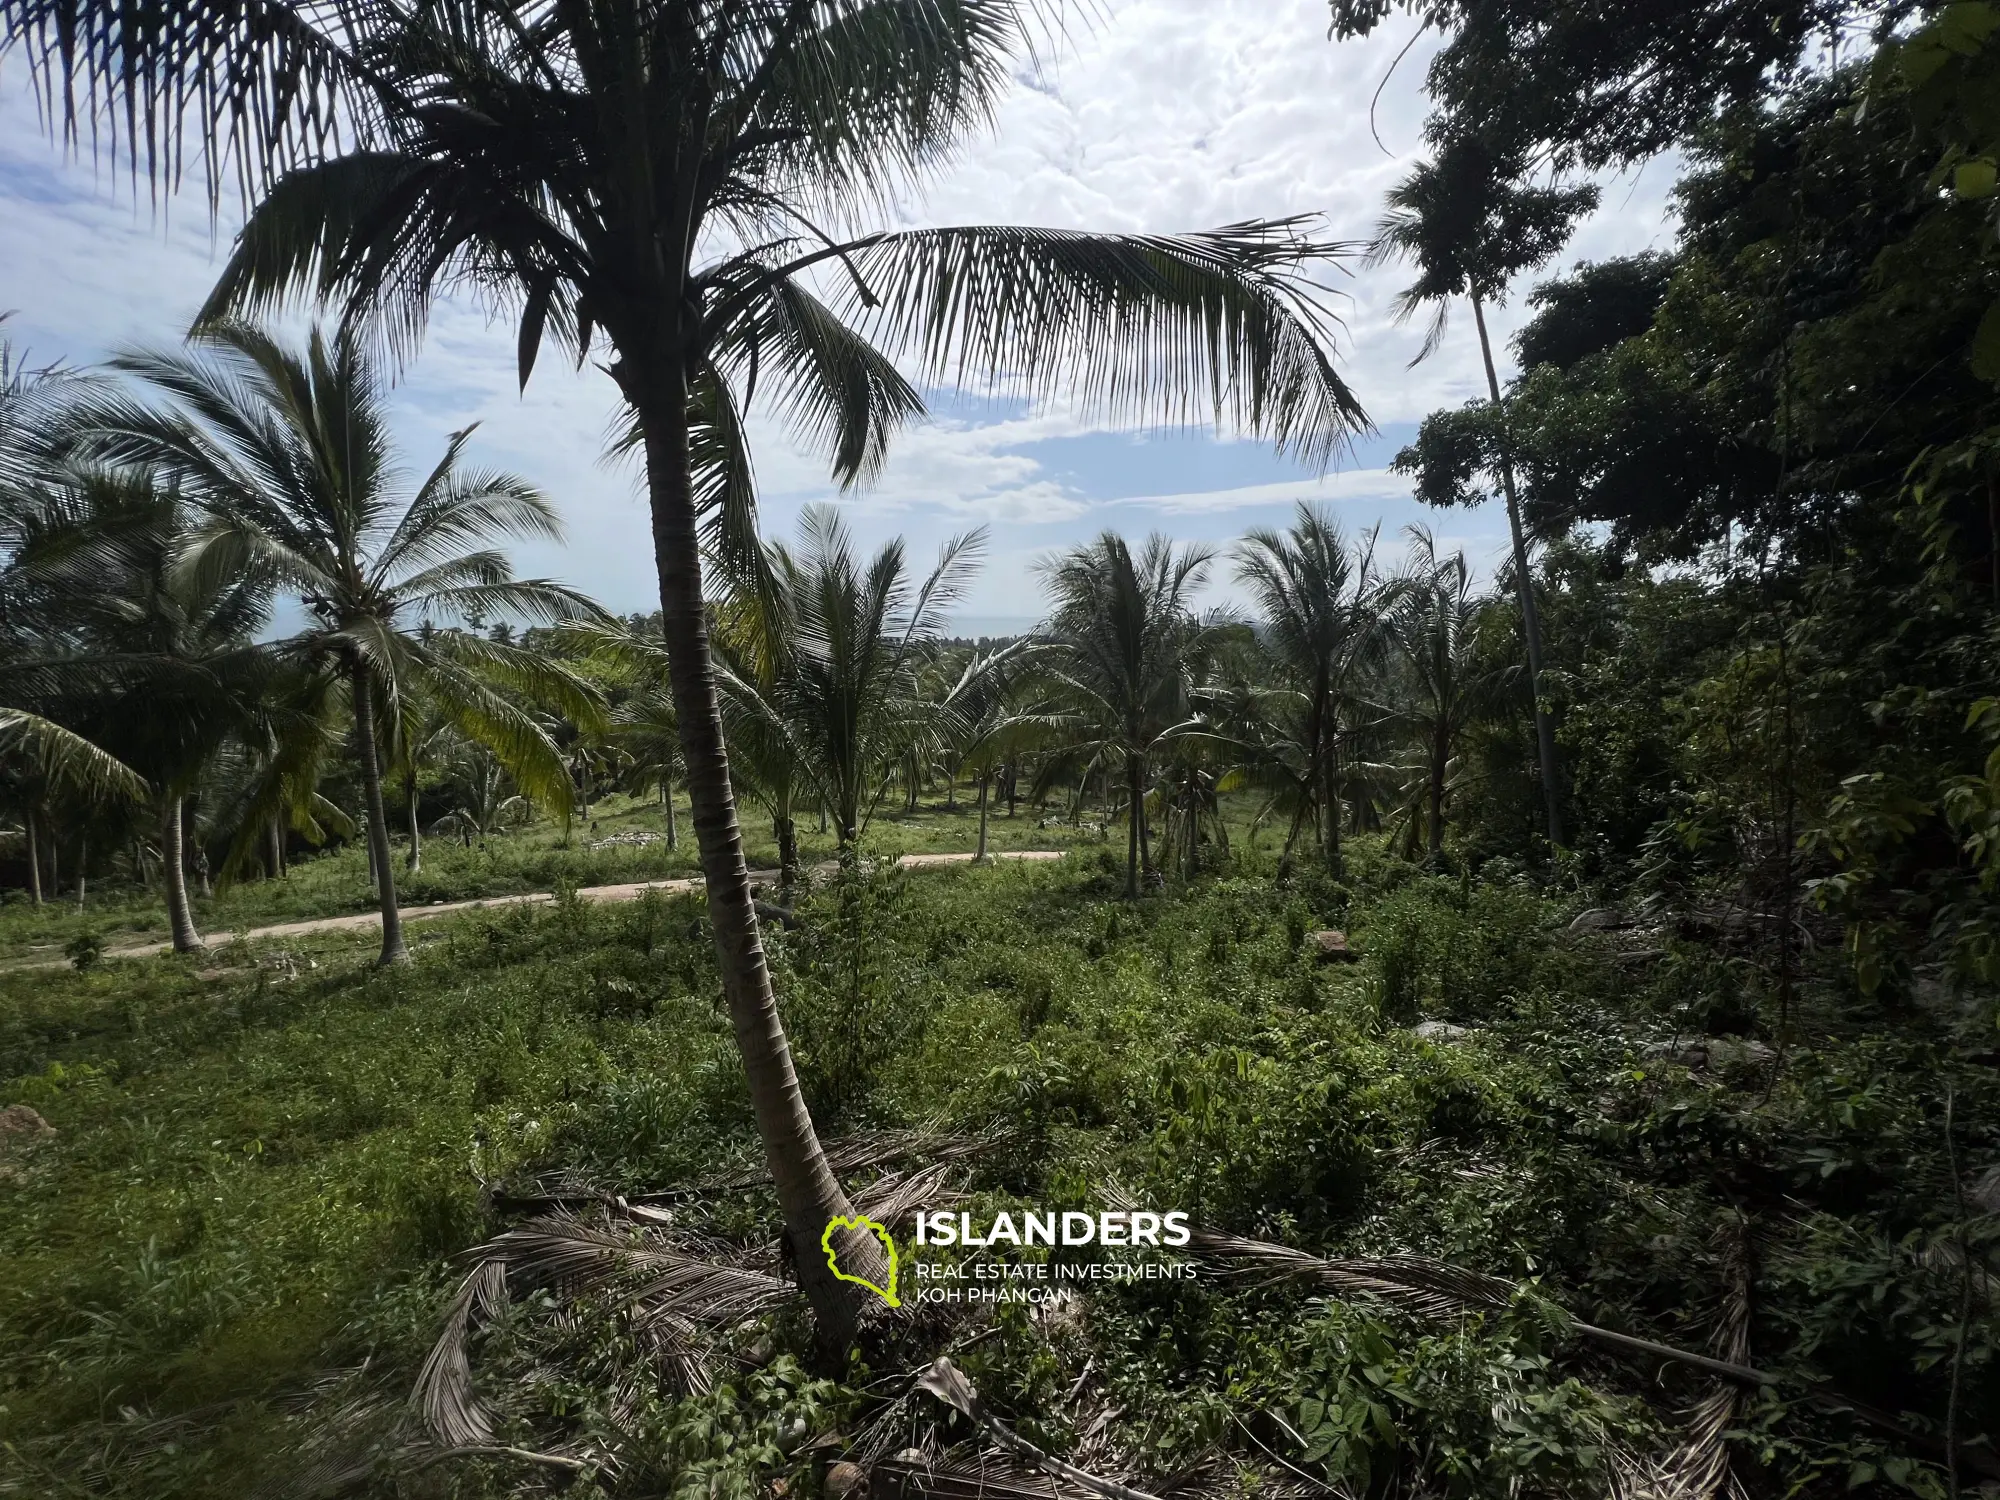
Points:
[971,627]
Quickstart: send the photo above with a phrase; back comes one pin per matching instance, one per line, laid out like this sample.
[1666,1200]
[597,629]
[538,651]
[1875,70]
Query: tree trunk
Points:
[55,866]
[1133,774]
[1531,619]
[172,864]
[82,871]
[667,802]
[1440,762]
[393,951]
[1335,863]
[415,863]
[984,779]
[951,788]
[1013,786]
[788,851]
[277,849]
[808,1193]
[34,860]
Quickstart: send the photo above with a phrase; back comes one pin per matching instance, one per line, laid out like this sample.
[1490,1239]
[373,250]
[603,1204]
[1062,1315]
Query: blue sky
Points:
[1160,115]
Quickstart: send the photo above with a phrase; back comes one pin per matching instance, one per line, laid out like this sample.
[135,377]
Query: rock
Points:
[21,1131]
[20,1124]
[1330,947]
[1739,1052]
[1712,1052]
[1600,919]
[845,1481]
[1441,1032]
[1985,1193]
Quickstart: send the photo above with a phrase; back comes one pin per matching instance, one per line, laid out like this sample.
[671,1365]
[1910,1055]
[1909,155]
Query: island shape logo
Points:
[861,1221]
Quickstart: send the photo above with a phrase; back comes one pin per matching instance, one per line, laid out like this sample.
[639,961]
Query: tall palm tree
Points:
[1470,224]
[44,675]
[662,174]
[288,456]
[1127,650]
[981,717]
[1434,623]
[1322,608]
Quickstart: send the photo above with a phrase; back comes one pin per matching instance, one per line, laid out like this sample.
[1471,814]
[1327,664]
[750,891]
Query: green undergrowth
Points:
[261,1173]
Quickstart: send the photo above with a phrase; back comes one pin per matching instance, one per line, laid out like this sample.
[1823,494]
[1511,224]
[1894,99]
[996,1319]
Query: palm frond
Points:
[1214,328]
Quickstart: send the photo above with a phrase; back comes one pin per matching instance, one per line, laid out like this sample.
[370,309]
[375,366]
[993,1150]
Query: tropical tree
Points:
[1434,623]
[1127,652]
[172,664]
[288,457]
[1470,223]
[658,173]
[983,719]
[1321,606]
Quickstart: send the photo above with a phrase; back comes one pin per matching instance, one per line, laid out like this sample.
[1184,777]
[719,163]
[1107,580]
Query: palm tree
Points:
[584,164]
[176,664]
[1470,224]
[981,718]
[1127,652]
[1322,608]
[288,456]
[838,696]
[1434,623]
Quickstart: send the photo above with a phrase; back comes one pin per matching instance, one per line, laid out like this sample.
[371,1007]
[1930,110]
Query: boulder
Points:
[1330,947]
[1442,1032]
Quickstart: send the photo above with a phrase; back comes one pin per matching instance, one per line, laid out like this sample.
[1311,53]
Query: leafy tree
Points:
[1593,309]
[581,167]
[1127,652]
[1602,82]
[1470,224]
[288,456]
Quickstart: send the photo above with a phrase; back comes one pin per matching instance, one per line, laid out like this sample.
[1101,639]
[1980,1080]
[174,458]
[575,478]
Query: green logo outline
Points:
[881,1232]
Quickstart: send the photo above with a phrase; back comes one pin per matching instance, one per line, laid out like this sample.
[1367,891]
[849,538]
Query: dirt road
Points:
[372,921]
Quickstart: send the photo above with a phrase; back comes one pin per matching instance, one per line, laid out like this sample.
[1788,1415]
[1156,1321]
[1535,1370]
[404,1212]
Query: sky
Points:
[1152,116]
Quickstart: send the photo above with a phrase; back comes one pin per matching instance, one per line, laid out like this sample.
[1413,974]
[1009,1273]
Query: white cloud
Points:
[1160,115]
[1365,486]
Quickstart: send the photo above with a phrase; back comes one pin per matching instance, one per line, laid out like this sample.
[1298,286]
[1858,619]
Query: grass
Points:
[538,857]
[264,1165]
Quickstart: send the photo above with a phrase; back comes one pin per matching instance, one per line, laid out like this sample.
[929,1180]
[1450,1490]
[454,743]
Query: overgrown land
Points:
[1560,989]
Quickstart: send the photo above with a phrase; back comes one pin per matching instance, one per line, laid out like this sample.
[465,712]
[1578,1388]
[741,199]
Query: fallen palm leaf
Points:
[947,1382]
[1437,1289]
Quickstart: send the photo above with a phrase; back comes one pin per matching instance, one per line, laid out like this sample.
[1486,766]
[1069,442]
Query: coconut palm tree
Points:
[838,697]
[1470,224]
[1434,623]
[664,175]
[1321,606]
[982,717]
[1127,651]
[288,457]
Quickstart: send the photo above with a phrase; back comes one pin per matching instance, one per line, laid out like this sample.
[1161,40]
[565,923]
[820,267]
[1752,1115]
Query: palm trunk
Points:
[1440,761]
[180,918]
[1013,786]
[55,866]
[808,1193]
[667,802]
[34,861]
[1335,864]
[82,871]
[393,951]
[415,863]
[788,851]
[984,778]
[1531,619]
[1133,775]
[277,849]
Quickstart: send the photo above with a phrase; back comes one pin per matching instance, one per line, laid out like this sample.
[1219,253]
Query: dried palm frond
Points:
[947,1382]
[1698,1467]
[444,1397]
[985,1477]
[894,1196]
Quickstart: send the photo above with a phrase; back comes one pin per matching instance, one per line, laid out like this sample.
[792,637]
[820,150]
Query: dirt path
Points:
[372,921]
